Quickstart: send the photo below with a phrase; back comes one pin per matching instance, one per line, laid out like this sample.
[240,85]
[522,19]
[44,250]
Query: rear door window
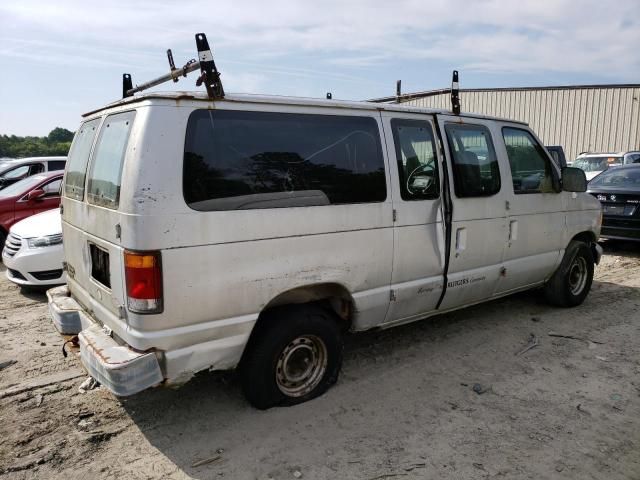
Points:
[416,157]
[247,160]
[106,168]
[56,165]
[78,158]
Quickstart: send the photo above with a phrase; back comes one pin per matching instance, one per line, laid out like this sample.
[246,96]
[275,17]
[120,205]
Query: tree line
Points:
[56,143]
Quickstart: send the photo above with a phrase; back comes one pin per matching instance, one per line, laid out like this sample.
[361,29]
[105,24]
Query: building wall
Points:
[600,119]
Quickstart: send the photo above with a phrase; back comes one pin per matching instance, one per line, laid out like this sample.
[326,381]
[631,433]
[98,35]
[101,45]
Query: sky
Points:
[63,58]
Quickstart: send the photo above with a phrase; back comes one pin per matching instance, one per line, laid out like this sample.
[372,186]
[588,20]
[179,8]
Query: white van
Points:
[251,232]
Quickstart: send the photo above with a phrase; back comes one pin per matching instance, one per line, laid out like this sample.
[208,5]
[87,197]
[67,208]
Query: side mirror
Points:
[35,194]
[573,180]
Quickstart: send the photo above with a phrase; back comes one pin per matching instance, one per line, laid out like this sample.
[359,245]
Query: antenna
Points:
[398,90]
[209,73]
[455,94]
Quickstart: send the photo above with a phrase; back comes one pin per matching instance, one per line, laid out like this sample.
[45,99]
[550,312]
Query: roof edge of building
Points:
[431,93]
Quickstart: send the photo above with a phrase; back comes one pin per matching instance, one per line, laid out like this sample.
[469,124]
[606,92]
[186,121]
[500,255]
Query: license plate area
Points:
[622,210]
[100,265]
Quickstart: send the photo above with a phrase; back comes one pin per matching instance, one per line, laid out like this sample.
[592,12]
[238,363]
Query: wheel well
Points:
[331,295]
[586,237]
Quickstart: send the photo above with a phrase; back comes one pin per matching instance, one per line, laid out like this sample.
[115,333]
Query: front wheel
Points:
[294,355]
[570,284]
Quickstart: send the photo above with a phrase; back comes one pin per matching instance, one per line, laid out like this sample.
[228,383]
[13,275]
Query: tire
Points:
[570,284]
[294,355]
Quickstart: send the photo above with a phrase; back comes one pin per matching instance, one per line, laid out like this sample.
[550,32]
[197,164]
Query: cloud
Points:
[575,36]
[355,48]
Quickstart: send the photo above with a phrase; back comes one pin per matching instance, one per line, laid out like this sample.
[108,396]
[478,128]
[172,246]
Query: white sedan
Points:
[33,251]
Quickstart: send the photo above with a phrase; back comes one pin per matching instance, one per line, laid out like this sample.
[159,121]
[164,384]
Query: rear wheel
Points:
[294,355]
[570,284]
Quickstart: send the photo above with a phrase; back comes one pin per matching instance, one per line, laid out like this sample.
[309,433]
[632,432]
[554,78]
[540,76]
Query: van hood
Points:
[39,225]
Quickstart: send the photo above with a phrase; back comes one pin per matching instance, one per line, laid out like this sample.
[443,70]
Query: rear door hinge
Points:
[392,295]
[395,215]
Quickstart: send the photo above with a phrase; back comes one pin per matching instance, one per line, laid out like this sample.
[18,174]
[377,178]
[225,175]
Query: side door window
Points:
[531,169]
[16,173]
[475,166]
[416,157]
[52,189]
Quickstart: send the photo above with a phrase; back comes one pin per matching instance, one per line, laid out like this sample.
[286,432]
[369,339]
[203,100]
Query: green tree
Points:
[58,135]
[56,143]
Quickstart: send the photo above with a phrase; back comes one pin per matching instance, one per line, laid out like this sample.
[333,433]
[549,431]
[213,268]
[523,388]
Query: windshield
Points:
[596,164]
[628,178]
[21,186]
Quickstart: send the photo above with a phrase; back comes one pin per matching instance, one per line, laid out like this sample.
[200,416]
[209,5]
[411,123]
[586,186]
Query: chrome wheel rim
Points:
[301,365]
[578,275]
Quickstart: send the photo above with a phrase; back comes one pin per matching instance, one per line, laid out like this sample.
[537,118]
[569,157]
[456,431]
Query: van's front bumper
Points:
[121,369]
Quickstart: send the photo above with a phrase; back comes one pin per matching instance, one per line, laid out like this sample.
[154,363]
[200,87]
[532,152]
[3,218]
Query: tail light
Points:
[143,275]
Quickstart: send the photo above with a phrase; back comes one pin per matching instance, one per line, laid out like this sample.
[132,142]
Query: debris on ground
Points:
[7,364]
[572,337]
[89,384]
[207,461]
[531,343]
[480,389]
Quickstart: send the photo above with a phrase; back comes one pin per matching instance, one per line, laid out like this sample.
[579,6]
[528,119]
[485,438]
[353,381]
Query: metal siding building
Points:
[594,118]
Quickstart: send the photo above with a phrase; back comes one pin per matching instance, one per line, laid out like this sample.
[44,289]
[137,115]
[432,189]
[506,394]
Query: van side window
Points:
[416,157]
[78,158]
[106,168]
[475,166]
[247,160]
[530,166]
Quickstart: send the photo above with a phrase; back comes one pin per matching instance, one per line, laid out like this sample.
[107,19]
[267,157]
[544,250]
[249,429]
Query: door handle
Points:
[513,230]
[461,240]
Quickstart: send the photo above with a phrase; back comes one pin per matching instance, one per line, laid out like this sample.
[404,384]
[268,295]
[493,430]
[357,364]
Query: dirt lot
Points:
[404,406]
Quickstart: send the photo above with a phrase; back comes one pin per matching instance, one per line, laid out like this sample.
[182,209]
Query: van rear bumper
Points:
[178,353]
[121,369]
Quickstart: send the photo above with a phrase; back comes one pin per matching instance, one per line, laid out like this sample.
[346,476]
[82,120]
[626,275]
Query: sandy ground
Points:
[404,406]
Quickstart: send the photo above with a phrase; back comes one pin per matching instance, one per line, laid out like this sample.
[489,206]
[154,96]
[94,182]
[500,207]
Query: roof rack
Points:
[209,75]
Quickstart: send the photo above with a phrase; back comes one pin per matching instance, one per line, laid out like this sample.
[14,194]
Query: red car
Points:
[27,197]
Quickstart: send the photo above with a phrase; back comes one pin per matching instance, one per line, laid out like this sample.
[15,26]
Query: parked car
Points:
[12,171]
[619,192]
[557,153]
[27,197]
[33,250]
[631,157]
[595,163]
[252,231]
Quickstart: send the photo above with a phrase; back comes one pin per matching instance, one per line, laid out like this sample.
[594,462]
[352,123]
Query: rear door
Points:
[479,210]
[90,214]
[418,236]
